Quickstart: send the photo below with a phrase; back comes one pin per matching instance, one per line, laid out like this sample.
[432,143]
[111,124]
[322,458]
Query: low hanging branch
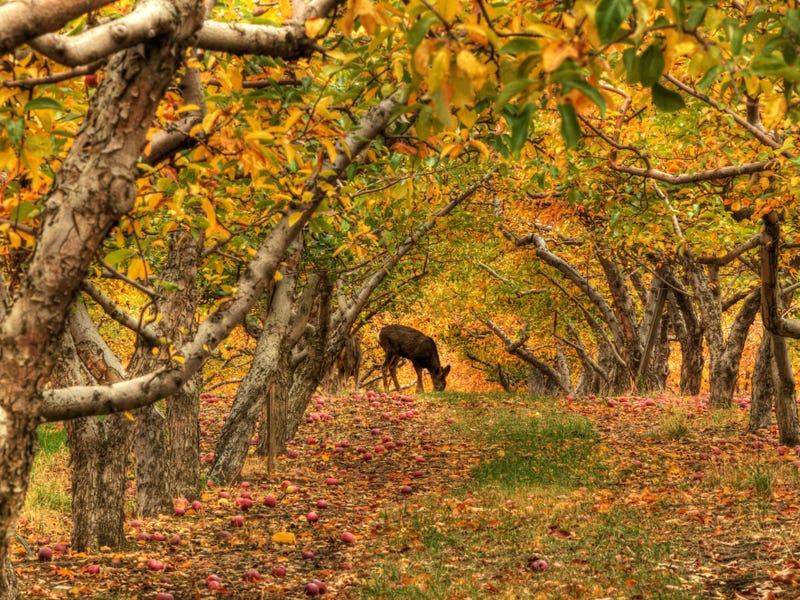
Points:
[79,401]
[519,350]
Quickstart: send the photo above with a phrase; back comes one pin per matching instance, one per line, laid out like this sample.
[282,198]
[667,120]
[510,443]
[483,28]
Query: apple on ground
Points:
[155,565]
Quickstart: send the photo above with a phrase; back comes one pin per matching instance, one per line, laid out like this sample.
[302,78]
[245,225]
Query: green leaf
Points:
[665,99]
[587,90]
[708,78]
[520,123]
[651,65]
[511,90]
[115,257]
[610,15]
[419,30]
[520,46]
[43,104]
[570,129]
[15,130]
[631,62]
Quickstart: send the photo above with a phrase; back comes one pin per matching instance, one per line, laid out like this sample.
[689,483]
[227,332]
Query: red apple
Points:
[312,517]
[270,500]
[347,537]
[322,504]
[155,565]
[45,553]
[252,575]
[278,571]
[237,520]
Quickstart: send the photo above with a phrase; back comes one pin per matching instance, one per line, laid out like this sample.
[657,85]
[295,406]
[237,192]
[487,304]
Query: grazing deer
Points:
[399,341]
[347,364]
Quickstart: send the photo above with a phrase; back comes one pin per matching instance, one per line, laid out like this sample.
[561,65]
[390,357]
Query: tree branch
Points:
[22,20]
[147,21]
[119,315]
[68,403]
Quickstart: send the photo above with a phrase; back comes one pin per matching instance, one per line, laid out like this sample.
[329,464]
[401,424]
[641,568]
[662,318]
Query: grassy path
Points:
[465,496]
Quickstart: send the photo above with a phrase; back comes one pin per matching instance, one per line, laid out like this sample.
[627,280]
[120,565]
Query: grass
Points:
[537,493]
[48,502]
[674,426]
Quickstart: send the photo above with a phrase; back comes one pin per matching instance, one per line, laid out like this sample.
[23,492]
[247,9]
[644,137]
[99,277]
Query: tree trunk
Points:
[154,477]
[99,448]
[269,367]
[689,331]
[99,461]
[167,447]
[763,387]
[724,367]
[183,429]
[785,401]
[785,404]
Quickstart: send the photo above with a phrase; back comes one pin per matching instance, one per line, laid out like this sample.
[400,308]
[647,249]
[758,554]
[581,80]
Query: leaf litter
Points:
[364,466]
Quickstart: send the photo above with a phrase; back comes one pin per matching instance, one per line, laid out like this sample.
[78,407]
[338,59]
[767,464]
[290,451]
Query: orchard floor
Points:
[665,499]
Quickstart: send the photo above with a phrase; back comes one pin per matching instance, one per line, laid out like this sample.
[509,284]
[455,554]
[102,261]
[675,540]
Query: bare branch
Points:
[165,143]
[120,316]
[147,21]
[23,20]
[289,41]
[709,175]
[750,244]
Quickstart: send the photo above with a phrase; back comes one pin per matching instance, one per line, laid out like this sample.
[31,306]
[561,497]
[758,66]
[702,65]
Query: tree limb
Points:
[22,20]
[148,20]
[68,403]
[120,316]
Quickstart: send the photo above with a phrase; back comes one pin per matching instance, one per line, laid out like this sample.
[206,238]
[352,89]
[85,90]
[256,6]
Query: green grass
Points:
[674,426]
[49,492]
[538,492]
[52,438]
[542,449]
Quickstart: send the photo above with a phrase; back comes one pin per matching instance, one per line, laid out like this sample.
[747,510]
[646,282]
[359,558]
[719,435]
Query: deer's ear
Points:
[445,371]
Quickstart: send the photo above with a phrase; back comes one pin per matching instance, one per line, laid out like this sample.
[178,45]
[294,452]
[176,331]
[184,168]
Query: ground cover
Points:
[458,496]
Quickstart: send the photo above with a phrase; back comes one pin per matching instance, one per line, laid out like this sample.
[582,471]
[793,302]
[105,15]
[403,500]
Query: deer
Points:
[347,364]
[400,341]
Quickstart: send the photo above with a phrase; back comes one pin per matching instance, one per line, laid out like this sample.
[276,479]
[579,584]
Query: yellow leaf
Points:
[187,108]
[277,276]
[474,68]
[338,250]
[179,359]
[439,70]
[557,52]
[129,415]
[484,150]
[211,214]
[136,269]
[448,9]
[294,218]
[314,26]
[235,77]
[283,537]
[331,150]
